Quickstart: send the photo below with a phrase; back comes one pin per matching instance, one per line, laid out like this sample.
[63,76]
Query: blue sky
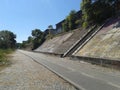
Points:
[23,16]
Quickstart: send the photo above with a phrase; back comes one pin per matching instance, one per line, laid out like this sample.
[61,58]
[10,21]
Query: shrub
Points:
[85,25]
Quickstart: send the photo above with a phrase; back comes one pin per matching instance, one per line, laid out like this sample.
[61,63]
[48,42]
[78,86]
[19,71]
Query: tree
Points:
[34,41]
[30,39]
[19,45]
[28,44]
[86,10]
[50,27]
[38,38]
[7,39]
[65,25]
[37,33]
[70,21]
[24,44]
[103,11]
[96,12]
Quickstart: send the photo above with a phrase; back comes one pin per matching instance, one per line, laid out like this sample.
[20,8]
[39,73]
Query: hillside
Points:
[60,44]
[105,44]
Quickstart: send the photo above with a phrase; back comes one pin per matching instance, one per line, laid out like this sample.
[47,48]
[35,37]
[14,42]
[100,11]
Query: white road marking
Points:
[112,84]
[71,69]
[87,75]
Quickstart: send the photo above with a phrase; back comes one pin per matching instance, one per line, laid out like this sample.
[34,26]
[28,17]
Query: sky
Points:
[23,16]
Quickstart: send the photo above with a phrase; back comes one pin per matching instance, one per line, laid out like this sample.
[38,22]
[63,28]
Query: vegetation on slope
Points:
[94,12]
[4,56]
[97,11]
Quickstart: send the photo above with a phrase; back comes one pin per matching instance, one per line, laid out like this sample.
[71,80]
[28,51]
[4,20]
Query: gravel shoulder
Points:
[25,74]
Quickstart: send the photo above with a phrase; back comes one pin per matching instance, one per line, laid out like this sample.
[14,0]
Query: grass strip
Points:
[3,56]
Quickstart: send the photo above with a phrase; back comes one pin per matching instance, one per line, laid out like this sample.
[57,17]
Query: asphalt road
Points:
[83,77]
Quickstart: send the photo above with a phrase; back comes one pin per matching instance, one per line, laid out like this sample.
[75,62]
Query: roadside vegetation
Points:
[4,56]
[7,45]
[93,13]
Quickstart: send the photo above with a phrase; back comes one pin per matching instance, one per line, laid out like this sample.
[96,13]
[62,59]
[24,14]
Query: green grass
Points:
[3,56]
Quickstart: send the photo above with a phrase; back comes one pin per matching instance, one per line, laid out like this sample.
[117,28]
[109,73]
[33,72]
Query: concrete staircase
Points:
[82,41]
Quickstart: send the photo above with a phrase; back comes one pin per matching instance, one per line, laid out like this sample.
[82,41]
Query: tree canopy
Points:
[7,39]
[38,38]
[70,21]
[35,40]
[97,11]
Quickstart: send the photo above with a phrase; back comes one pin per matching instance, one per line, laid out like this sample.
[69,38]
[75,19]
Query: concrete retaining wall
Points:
[112,63]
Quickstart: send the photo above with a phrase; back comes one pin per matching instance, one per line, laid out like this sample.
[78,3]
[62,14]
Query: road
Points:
[25,74]
[83,75]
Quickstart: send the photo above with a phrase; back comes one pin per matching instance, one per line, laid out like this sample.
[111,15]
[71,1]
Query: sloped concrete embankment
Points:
[60,44]
[81,41]
[104,47]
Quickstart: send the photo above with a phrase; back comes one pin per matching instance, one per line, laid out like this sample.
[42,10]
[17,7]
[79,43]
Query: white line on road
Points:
[114,85]
[87,75]
[71,69]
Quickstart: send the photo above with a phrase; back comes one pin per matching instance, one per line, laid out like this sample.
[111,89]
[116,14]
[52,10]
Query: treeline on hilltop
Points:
[94,12]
